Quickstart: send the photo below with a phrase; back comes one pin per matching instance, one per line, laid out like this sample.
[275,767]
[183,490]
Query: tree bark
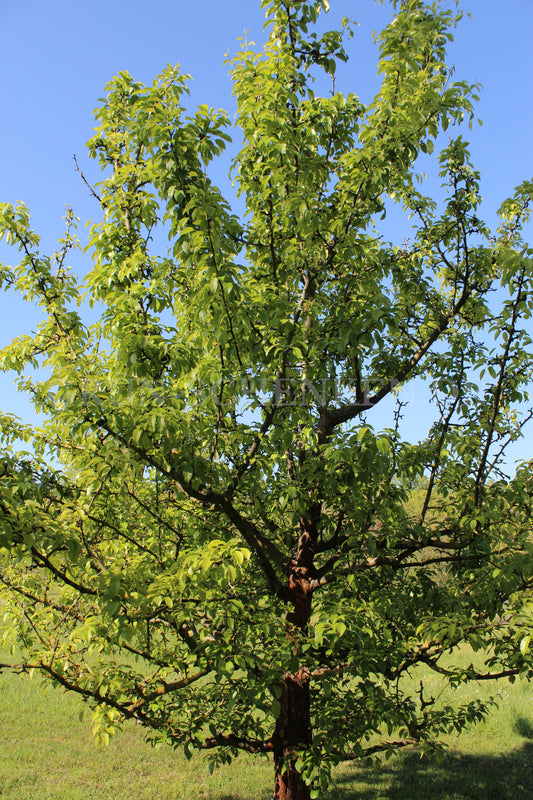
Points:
[293,726]
[293,730]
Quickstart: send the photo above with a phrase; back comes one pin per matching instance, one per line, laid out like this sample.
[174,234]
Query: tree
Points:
[207,534]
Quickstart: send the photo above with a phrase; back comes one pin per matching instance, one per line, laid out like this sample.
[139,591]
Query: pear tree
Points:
[220,530]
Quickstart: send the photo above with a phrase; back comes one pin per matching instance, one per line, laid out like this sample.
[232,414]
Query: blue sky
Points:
[56,56]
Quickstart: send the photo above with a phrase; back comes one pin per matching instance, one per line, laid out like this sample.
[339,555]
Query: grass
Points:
[47,753]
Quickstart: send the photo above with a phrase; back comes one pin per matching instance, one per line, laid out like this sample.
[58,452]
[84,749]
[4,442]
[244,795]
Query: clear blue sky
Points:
[56,56]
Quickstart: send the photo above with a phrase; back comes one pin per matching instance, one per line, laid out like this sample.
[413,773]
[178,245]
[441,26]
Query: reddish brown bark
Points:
[293,726]
[293,730]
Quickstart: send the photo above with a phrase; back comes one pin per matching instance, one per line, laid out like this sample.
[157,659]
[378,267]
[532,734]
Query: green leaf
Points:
[275,708]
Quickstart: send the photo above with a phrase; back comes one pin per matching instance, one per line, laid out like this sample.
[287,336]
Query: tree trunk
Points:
[293,726]
[293,730]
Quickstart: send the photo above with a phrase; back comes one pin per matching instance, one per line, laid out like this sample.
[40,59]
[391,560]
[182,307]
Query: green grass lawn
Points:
[46,753]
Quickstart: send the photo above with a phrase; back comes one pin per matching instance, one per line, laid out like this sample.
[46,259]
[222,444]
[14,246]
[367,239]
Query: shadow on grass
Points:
[228,797]
[523,727]
[455,777]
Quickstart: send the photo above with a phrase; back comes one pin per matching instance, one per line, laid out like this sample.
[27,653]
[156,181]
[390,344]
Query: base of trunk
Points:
[293,731]
[289,784]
